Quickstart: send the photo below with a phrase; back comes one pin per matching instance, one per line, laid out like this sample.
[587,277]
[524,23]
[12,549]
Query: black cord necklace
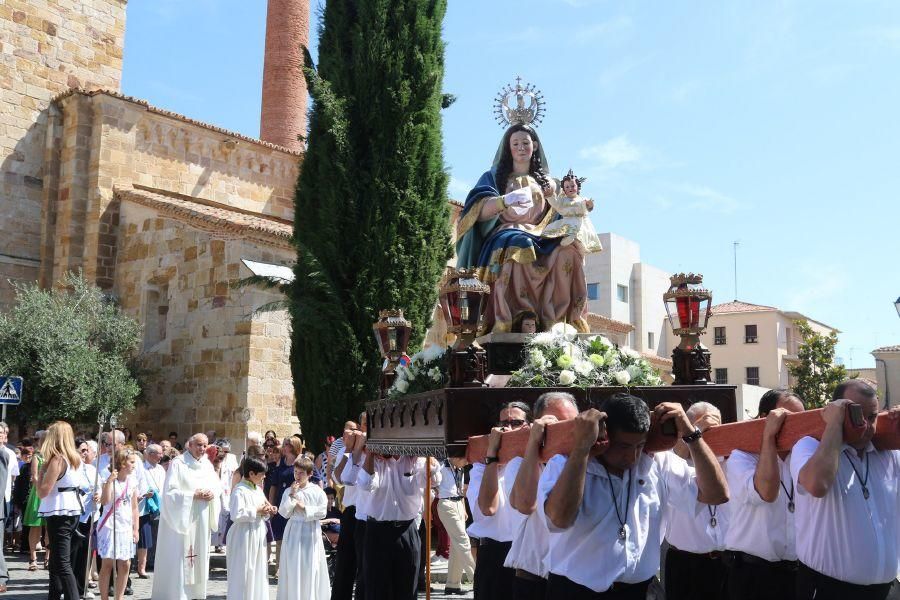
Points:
[623,532]
[712,515]
[790,495]
[862,480]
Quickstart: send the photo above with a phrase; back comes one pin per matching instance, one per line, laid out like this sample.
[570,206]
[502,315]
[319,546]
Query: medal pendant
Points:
[713,522]
[791,507]
[865,492]
[622,532]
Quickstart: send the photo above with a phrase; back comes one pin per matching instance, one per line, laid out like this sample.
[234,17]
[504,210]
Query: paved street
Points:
[25,585]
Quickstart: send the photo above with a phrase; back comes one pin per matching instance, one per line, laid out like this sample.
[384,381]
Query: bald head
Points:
[559,404]
[197,445]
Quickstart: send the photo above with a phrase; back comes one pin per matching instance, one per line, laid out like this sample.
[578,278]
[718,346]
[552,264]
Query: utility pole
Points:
[736,243]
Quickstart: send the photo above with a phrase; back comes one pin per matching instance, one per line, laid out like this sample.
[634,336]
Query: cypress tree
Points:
[371,216]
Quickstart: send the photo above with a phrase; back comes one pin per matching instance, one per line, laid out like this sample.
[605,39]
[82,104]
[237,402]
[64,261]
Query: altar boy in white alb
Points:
[605,512]
[187,518]
[848,506]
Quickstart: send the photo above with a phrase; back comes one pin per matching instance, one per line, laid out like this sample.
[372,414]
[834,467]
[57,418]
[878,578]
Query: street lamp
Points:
[897,306]
[688,308]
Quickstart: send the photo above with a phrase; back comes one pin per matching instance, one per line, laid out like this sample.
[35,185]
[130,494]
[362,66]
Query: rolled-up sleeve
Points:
[680,480]
[800,455]
[350,474]
[740,469]
[548,480]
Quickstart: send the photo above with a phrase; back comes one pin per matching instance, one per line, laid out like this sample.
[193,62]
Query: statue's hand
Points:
[589,203]
[520,197]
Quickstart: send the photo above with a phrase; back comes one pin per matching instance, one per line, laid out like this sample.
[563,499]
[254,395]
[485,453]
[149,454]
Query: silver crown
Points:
[519,104]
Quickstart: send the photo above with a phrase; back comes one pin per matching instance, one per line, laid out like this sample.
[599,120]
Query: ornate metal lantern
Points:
[392,333]
[688,307]
[463,299]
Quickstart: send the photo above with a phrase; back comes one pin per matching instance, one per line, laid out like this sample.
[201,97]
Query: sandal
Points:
[32,566]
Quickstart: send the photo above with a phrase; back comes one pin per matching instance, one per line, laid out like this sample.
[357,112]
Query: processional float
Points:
[454,420]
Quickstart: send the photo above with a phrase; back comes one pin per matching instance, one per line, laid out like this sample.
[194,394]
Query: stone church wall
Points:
[210,363]
[106,140]
[46,47]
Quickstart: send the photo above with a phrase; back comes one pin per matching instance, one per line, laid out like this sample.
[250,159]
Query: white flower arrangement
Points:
[559,358]
[427,370]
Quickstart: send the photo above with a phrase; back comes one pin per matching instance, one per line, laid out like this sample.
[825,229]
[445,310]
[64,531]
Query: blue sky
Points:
[773,123]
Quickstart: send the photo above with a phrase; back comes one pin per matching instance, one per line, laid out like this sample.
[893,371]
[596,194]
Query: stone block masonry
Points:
[46,47]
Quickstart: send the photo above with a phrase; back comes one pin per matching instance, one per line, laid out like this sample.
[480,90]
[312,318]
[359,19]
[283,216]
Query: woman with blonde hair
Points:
[58,489]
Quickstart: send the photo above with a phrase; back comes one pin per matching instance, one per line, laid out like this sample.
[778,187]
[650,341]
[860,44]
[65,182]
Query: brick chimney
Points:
[284,88]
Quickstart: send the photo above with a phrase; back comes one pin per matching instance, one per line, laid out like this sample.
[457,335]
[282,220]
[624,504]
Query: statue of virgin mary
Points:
[499,233]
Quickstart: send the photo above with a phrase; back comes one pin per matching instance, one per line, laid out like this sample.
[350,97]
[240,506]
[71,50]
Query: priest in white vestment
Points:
[187,517]
[303,572]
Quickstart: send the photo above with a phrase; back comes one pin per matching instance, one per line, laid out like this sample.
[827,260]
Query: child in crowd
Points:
[245,558]
[303,568]
[117,532]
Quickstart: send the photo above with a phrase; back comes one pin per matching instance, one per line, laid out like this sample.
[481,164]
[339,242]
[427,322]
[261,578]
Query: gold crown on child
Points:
[519,104]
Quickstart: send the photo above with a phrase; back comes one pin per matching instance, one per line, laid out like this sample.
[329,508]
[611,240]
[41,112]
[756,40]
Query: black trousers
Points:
[360,547]
[690,576]
[563,587]
[345,566]
[812,584]
[391,560]
[752,578]
[61,530]
[493,581]
[80,554]
[530,587]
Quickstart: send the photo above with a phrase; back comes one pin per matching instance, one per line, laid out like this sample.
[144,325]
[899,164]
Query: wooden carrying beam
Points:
[723,439]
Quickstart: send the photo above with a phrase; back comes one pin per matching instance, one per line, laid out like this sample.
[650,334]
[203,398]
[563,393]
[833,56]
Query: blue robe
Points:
[478,245]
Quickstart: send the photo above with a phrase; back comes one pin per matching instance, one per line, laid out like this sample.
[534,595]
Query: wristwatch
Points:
[693,437]
[490,459]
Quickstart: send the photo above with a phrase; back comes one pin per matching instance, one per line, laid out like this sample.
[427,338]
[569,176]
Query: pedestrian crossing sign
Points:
[10,390]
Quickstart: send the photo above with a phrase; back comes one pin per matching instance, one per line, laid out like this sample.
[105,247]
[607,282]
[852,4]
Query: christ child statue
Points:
[574,225]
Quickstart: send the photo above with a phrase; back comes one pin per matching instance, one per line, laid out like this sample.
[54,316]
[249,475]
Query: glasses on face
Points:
[511,423]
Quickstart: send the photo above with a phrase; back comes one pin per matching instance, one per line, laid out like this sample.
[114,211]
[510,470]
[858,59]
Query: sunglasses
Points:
[511,423]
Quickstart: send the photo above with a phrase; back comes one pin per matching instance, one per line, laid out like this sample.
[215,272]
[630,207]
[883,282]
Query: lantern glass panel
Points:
[474,310]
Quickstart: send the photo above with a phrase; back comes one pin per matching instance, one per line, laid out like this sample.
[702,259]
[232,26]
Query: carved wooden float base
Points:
[439,423]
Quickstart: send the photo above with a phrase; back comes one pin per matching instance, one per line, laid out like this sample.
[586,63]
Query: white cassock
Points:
[246,559]
[303,571]
[182,545]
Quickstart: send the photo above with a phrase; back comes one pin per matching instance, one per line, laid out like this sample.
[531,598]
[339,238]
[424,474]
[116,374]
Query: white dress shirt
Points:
[448,487]
[397,486]
[12,470]
[505,523]
[353,494]
[531,542]
[88,488]
[763,529]
[590,552]
[690,528]
[843,534]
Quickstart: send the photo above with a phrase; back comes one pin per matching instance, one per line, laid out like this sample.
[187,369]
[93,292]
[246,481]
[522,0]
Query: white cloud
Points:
[581,3]
[613,153]
[458,189]
[886,36]
[701,197]
[611,75]
[811,284]
[684,92]
[613,30]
